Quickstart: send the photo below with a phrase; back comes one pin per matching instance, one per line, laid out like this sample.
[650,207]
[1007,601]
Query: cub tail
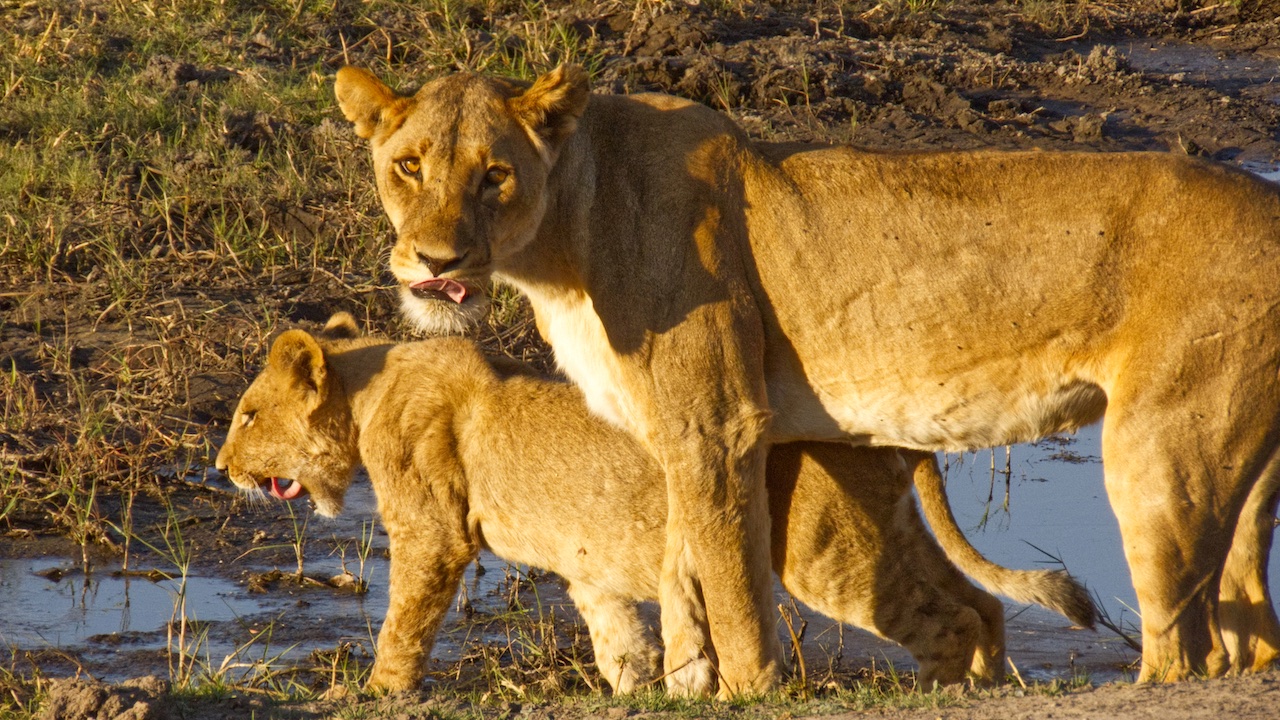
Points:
[1053,589]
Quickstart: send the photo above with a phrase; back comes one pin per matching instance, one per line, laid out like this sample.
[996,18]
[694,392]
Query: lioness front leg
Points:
[706,425]
[689,658]
[425,573]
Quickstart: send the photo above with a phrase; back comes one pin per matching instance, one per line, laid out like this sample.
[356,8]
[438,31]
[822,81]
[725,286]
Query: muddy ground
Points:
[1181,76]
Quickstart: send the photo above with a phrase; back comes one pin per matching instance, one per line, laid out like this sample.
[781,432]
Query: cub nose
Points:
[438,265]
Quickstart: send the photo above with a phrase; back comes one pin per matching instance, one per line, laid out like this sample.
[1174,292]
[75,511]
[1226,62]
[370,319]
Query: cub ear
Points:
[299,355]
[550,108]
[341,326]
[365,100]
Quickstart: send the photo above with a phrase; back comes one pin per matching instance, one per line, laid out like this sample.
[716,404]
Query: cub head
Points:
[461,168]
[292,433]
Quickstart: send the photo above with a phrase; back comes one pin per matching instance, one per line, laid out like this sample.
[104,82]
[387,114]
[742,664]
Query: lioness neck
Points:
[599,239]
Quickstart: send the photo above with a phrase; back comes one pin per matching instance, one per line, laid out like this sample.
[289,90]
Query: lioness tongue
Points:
[289,493]
[456,291]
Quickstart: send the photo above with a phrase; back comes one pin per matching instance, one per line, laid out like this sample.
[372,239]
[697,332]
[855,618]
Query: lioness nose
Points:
[438,265]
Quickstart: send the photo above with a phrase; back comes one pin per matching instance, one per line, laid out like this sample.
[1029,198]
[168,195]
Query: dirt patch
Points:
[1243,697]
[140,699]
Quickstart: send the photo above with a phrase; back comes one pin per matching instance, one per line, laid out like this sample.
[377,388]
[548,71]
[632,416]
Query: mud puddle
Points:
[1219,68]
[243,615]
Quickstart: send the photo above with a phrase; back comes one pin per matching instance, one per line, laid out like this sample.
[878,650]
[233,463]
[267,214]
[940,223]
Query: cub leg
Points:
[986,665]
[951,627]
[625,654]
[425,573]
[1250,629]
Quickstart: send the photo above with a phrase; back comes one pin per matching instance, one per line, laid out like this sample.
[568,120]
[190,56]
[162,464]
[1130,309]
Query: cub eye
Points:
[246,417]
[410,166]
[496,176]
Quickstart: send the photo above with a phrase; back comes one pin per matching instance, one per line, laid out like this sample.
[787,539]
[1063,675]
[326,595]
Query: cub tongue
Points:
[288,493]
[456,291]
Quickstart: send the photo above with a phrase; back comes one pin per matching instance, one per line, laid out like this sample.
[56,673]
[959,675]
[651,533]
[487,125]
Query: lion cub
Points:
[465,454]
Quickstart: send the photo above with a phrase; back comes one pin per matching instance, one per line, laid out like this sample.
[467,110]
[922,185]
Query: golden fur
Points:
[712,295]
[463,455]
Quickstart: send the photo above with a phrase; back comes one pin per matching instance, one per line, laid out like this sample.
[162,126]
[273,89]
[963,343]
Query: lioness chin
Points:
[713,295]
[463,455]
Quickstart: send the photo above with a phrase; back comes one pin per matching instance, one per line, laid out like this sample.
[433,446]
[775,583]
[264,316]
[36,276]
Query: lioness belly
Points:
[934,418]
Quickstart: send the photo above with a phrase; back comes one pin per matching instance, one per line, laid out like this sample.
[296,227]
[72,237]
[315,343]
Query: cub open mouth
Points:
[440,289]
[286,489]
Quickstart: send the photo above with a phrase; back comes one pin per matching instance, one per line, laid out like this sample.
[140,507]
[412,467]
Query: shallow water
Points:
[113,624]
[77,607]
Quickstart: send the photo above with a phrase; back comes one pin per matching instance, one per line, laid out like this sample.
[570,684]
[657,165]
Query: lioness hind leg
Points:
[625,654]
[1177,483]
[1250,629]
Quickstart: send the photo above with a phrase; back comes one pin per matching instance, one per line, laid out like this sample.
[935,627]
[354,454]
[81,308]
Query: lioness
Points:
[462,456]
[712,294]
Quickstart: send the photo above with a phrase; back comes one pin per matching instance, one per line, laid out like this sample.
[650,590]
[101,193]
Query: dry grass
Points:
[173,187]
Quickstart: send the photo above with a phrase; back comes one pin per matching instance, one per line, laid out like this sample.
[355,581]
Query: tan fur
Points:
[694,284]
[462,457]
[1054,589]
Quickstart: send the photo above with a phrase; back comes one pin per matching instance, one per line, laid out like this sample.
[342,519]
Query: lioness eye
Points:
[410,166]
[246,417]
[496,176]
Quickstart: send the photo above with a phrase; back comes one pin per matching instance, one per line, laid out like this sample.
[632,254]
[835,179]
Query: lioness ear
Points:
[365,100]
[551,107]
[298,354]
[341,326]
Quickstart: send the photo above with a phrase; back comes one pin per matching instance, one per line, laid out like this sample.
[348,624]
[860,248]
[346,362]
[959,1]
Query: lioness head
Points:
[292,431]
[461,168]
